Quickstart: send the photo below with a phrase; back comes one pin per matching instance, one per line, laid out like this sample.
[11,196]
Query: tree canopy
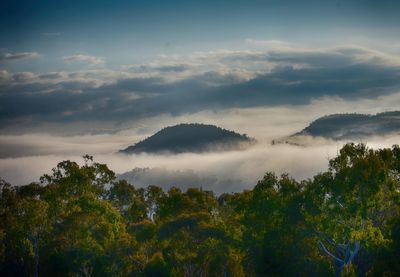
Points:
[80,221]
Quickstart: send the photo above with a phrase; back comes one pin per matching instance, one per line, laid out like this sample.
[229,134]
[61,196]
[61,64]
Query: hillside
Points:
[183,179]
[353,126]
[190,138]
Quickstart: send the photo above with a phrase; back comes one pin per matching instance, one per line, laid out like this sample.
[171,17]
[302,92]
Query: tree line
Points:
[81,221]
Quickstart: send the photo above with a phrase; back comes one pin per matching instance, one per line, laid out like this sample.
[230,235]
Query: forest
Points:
[79,220]
[194,137]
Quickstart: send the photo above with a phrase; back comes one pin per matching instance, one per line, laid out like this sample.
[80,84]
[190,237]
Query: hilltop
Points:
[353,126]
[192,137]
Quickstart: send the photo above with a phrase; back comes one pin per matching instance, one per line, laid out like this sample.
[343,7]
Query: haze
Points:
[93,78]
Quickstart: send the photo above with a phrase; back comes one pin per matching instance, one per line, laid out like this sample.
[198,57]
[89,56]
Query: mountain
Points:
[185,178]
[353,126]
[190,138]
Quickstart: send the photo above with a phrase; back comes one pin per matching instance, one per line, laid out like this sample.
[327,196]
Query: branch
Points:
[329,253]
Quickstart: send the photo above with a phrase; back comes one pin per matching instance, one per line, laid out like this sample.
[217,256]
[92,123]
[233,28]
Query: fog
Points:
[24,158]
[242,168]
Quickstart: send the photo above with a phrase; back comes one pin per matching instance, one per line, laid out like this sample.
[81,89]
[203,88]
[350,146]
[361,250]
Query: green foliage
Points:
[157,267]
[80,221]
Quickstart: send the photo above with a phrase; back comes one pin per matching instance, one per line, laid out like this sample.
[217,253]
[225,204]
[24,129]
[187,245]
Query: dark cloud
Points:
[297,86]
[296,78]
[333,59]
[161,68]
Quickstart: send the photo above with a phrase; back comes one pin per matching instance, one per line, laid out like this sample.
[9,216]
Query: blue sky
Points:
[63,61]
[134,30]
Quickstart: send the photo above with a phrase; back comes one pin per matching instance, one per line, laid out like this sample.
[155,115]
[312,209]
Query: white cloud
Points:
[4,56]
[245,167]
[81,58]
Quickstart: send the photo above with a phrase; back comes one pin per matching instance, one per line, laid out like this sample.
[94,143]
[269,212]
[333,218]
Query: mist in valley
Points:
[25,157]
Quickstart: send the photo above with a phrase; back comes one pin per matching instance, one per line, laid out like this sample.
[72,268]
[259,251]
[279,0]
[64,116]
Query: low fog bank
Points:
[244,167]
[221,172]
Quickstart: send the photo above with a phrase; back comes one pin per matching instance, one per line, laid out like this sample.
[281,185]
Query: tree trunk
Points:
[35,243]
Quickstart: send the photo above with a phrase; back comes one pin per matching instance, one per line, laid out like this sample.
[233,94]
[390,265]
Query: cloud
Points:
[80,58]
[159,68]
[222,172]
[180,85]
[4,56]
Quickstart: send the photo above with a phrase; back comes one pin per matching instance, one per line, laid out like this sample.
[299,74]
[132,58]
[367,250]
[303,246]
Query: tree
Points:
[129,201]
[278,239]
[26,216]
[88,231]
[81,221]
[359,196]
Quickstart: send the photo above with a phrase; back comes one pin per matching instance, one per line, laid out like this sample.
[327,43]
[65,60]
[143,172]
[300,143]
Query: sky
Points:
[80,76]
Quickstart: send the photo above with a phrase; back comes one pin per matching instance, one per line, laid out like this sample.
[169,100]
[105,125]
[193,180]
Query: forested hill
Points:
[190,138]
[354,126]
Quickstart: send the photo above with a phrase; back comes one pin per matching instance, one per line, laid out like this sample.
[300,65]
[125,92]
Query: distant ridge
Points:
[184,178]
[353,126]
[192,137]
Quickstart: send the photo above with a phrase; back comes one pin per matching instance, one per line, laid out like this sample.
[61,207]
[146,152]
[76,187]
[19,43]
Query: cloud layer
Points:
[176,85]
[222,172]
